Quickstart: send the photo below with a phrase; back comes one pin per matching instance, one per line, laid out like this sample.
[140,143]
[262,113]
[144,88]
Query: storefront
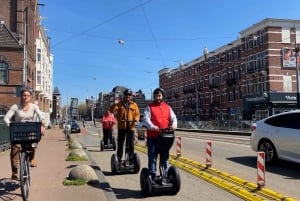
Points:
[256,107]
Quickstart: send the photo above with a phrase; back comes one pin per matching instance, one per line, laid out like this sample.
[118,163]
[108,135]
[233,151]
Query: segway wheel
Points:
[136,163]
[174,178]
[145,182]
[114,163]
[101,145]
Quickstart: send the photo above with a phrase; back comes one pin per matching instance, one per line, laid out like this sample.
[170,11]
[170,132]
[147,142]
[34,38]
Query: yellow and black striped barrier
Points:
[235,185]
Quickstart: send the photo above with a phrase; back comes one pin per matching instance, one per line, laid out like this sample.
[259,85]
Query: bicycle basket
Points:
[25,132]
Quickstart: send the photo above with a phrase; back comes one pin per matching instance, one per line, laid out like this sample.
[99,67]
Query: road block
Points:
[208,152]
[178,146]
[136,137]
[261,168]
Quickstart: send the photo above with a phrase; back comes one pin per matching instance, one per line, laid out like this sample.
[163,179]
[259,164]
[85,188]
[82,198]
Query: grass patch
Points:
[76,158]
[76,182]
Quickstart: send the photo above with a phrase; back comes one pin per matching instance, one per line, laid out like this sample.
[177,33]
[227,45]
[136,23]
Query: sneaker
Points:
[33,163]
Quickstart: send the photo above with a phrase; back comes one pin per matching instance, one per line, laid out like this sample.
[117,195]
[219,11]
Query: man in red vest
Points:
[157,115]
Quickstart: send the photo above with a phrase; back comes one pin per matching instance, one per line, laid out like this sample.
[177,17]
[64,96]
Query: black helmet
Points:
[127,92]
[157,90]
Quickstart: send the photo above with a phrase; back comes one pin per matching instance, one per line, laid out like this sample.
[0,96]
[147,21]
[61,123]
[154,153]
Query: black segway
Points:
[111,144]
[168,181]
[126,165]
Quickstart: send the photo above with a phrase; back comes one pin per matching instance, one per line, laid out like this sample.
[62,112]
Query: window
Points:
[38,55]
[3,72]
[39,78]
[286,120]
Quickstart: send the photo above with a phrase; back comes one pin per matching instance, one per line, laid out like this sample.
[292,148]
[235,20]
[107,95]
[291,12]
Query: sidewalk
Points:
[47,179]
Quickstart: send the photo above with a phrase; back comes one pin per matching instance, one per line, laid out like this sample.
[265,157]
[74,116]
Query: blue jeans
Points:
[153,154]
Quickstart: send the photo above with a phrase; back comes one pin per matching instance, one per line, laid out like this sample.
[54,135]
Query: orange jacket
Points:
[131,114]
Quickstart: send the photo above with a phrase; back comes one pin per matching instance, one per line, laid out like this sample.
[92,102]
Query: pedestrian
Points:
[127,113]
[83,123]
[108,121]
[157,115]
[25,111]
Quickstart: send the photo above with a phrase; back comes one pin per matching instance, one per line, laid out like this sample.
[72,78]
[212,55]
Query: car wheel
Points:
[269,149]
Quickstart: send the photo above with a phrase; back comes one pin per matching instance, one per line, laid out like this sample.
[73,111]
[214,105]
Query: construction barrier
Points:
[208,152]
[178,146]
[136,137]
[261,168]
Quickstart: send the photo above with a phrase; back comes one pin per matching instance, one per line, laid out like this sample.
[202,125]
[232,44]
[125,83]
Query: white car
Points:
[278,136]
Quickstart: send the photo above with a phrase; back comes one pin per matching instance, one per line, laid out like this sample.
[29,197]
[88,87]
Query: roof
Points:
[7,38]
[56,91]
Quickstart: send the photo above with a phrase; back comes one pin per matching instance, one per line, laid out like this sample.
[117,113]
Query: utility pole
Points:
[197,95]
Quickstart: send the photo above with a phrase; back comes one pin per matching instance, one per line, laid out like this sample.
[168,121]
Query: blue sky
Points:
[89,59]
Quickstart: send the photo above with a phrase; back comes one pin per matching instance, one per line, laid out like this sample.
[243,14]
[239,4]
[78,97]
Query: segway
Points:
[168,181]
[111,144]
[126,165]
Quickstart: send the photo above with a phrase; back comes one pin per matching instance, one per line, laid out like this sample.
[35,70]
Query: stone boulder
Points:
[78,152]
[74,144]
[84,172]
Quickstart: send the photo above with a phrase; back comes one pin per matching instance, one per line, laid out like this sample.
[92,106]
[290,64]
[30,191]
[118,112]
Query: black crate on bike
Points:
[25,132]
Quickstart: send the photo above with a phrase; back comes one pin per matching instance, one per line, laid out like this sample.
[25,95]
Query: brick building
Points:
[249,78]
[25,58]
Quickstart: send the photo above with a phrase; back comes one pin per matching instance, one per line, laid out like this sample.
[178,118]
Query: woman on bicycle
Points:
[157,115]
[25,111]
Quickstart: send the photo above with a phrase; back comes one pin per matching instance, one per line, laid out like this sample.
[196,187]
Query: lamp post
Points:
[197,95]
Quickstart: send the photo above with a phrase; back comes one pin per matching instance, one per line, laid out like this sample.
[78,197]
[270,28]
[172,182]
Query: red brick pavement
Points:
[47,178]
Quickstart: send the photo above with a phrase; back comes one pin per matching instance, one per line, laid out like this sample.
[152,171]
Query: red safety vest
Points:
[160,116]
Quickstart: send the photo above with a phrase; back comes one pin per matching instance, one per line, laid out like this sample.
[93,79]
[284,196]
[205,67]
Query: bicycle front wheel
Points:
[24,175]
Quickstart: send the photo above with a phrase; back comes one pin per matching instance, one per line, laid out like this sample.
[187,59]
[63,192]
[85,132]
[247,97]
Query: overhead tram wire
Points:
[102,23]
[152,33]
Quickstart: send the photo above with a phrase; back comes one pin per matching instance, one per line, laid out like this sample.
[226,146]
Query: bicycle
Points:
[27,134]
[67,132]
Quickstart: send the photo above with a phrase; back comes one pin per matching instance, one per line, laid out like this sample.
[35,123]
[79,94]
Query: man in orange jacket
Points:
[127,113]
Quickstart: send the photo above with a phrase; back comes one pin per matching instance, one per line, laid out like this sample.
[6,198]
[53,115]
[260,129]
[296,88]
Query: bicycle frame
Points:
[25,169]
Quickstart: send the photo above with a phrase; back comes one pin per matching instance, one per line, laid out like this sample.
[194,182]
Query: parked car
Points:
[278,136]
[75,128]
[141,130]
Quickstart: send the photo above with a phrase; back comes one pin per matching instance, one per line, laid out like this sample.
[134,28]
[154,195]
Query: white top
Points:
[20,115]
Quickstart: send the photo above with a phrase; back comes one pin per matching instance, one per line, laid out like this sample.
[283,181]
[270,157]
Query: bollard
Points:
[208,152]
[261,169]
[145,139]
[178,146]
[136,137]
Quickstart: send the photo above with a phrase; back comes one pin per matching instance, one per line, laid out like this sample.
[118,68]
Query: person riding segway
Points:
[161,122]
[127,113]
[108,141]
